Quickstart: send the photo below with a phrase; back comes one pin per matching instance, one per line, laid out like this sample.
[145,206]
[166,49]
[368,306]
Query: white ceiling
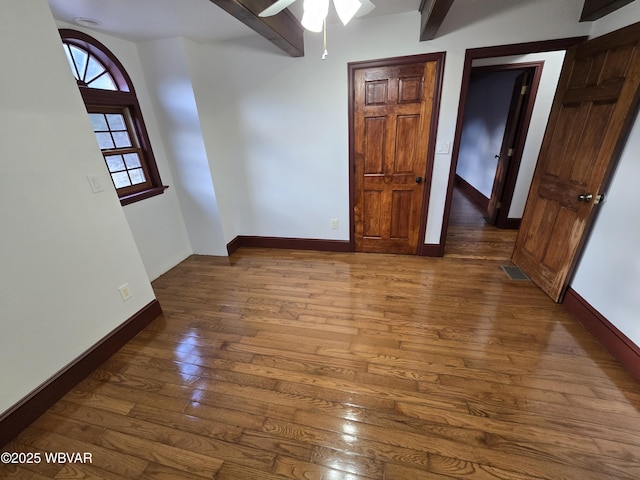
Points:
[200,20]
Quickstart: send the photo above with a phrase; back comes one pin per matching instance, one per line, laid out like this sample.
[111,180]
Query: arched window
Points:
[115,115]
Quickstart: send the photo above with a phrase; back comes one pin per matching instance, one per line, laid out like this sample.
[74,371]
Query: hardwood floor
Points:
[277,364]
[469,236]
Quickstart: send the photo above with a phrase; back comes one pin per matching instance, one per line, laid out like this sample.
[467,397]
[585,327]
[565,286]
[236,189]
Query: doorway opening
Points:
[499,105]
[506,185]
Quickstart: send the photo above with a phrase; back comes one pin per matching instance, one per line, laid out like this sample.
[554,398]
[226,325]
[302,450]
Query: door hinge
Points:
[498,205]
[510,152]
[524,89]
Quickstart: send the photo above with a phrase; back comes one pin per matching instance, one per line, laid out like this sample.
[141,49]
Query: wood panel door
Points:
[519,98]
[392,119]
[595,103]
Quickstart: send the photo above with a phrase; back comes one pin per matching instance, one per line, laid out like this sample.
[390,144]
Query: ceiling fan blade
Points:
[346,9]
[366,8]
[276,8]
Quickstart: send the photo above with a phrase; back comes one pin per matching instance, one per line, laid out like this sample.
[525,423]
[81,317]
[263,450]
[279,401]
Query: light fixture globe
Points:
[315,11]
[314,16]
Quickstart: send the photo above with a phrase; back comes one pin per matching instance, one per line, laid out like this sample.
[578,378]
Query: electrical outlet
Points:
[334,223]
[125,293]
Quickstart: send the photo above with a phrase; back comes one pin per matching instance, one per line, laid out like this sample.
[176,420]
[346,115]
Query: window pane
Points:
[98,122]
[116,121]
[104,82]
[122,139]
[137,176]
[120,179]
[70,60]
[94,68]
[132,160]
[80,59]
[104,140]
[115,163]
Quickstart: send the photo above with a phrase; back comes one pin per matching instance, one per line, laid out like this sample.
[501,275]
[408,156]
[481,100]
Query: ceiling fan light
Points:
[315,11]
[346,9]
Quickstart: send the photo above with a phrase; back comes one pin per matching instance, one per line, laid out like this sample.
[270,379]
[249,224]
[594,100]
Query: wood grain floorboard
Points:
[277,364]
[469,236]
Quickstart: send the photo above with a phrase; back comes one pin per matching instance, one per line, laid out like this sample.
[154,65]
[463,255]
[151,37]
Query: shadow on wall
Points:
[485,118]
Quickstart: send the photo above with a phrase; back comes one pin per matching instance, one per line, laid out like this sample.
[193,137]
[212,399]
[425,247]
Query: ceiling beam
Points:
[283,30]
[433,14]
[595,9]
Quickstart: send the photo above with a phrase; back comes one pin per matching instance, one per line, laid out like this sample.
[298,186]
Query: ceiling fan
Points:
[315,11]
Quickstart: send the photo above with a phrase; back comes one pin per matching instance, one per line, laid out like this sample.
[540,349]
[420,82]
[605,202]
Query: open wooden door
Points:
[521,89]
[593,108]
[393,109]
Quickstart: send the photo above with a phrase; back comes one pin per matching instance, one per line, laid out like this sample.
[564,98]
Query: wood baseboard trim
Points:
[472,193]
[25,412]
[510,223]
[289,243]
[431,250]
[234,245]
[616,342]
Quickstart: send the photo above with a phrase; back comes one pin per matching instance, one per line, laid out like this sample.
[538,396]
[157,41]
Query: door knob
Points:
[585,197]
[418,179]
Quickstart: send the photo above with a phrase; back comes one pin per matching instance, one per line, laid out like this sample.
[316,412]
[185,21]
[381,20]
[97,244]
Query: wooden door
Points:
[594,105]
[519,97]
[392,115]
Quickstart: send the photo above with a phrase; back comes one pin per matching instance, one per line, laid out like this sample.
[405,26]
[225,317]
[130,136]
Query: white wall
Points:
[228,174]
[169,84]
[64,250]
[279,139]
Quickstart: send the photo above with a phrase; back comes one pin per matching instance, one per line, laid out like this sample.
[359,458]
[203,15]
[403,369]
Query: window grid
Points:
[116,140]
[88,70]
[107,89]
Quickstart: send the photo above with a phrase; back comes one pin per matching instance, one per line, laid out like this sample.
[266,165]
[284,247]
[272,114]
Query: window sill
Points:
[136,197]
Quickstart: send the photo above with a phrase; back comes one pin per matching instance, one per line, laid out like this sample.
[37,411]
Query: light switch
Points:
[125,292]
[443,147]
[94,181]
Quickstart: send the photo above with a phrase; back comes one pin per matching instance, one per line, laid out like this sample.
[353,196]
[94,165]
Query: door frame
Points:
[522,129]
[470,56]
[439,58]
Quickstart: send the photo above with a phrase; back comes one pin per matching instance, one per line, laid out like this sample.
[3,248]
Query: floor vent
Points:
[514,273]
